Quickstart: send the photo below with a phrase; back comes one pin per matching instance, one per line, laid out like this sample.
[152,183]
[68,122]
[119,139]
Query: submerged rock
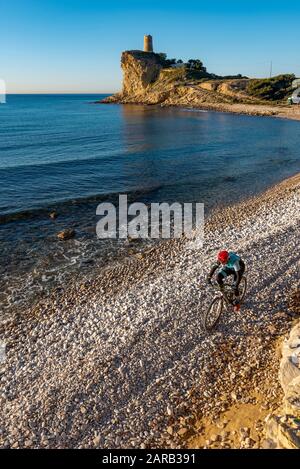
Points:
[66,234]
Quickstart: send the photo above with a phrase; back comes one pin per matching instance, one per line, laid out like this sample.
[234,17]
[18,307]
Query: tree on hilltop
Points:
[195,64]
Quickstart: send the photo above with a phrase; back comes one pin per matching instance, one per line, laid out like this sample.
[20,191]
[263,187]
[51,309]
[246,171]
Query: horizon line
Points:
[58,92]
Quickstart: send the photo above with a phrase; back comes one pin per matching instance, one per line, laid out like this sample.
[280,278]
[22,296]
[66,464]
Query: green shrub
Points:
[165,62]
[271,89]
[192,74]
[195,64]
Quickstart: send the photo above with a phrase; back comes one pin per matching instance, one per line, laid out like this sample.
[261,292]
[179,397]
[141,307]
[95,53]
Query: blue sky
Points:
[75,45]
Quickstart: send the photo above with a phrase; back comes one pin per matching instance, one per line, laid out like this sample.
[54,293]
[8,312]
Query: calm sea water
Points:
[66,153]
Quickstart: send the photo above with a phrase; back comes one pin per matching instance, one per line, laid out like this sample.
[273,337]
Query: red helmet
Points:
[223,256]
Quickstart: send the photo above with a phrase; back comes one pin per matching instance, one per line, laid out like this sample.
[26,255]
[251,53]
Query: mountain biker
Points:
[228,263]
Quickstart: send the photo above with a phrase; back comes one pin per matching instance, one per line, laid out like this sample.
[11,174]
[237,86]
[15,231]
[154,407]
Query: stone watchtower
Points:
[148,43]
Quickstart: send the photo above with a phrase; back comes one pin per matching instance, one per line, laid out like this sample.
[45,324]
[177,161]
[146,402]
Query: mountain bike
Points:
[223,299]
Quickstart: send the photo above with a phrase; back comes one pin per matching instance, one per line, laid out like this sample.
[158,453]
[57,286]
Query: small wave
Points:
[67,141]
[79,202]
[193,110]
[281,161]
[230,179]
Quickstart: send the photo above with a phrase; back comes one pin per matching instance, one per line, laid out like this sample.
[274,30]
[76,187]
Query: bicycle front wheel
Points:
[213,313]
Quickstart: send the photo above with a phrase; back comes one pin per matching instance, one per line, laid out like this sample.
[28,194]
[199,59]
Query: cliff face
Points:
[140,70]
[141,79]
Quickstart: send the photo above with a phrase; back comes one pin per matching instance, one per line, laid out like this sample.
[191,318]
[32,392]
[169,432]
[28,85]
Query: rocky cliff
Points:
[141,70]
[146,80]
[283,428]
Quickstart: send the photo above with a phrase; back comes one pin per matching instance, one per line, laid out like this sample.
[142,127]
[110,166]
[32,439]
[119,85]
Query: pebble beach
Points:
[122,360]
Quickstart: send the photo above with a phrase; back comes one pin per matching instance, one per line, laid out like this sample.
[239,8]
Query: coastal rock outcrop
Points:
[148,80]
[283,430]
[66,234]
[140,71]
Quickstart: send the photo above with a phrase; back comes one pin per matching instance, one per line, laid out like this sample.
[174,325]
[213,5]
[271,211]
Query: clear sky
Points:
[75,45]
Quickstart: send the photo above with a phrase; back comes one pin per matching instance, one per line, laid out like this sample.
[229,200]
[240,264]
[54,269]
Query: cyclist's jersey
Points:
[233,264]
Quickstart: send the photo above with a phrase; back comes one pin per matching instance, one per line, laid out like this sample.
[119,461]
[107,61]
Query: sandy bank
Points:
[264,110]
[284,112]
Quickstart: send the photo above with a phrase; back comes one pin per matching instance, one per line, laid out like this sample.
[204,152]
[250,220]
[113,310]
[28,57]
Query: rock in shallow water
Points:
[66,234]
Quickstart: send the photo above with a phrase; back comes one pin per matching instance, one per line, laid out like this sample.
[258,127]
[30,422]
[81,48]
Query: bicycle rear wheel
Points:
[213,313]
[243,288]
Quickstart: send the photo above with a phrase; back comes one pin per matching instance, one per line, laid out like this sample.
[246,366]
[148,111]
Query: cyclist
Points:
[228,263]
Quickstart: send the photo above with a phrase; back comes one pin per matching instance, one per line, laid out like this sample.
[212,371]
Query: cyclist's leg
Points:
[236,289]
[236,300]
[243,267]
[236,283]
[241,273]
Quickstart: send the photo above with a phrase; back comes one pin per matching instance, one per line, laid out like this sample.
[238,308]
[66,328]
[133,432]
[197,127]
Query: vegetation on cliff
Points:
[271,89]
[193,69]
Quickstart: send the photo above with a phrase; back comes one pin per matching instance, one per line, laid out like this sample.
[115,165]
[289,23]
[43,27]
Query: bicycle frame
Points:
[222,298]
[223,294]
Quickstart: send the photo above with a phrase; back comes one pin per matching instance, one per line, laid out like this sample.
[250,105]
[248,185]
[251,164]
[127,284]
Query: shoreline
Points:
[259,110]
[132,253]
[291,112]
[119,360]
[31,286]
